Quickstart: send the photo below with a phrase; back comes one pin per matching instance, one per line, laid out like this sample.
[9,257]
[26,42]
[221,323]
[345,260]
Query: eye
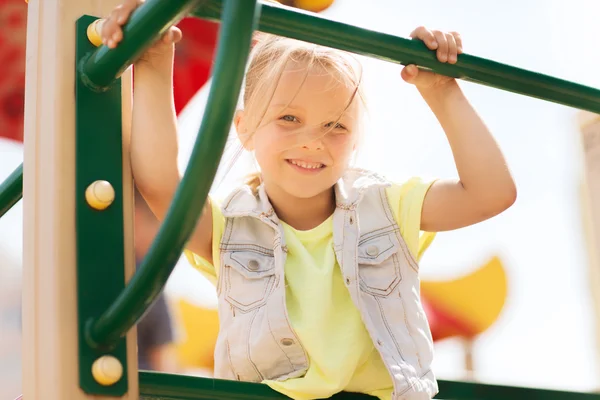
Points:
[337,126]
[289,118]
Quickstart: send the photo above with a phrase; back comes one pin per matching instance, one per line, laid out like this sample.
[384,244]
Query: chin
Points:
[302,193]
[307,190]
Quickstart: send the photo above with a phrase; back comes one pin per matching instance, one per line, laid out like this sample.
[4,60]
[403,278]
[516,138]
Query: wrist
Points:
[158,59]
[446,91]
[146,70]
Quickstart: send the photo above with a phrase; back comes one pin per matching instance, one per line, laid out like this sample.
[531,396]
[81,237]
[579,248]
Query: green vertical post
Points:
[99,233]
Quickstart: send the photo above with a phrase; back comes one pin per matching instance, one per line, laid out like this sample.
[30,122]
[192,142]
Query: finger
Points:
[442,51]
[458,39]
[426,36]
[109,29]
[176,34]
[173,35]
[409,73]
[122,12]
[112,33]
[117,35]
[452,51]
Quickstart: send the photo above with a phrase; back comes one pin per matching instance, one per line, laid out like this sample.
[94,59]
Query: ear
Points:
[241,126]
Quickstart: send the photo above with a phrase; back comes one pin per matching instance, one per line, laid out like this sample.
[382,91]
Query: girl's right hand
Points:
[112,33]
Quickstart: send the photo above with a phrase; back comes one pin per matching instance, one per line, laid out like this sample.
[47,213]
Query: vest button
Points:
[287,342]
[253,265]
[372,250]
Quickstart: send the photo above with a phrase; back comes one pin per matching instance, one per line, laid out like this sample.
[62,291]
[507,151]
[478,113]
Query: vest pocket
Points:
[378,264]
[249,278]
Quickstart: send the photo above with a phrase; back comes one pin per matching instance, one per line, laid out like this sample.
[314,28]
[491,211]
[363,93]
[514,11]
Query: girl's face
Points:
[308,134]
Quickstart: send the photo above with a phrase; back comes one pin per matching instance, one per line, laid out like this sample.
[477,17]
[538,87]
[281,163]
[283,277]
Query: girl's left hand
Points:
[448,46]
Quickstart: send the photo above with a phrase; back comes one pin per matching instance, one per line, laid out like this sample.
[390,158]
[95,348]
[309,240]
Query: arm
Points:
[154,148]
[485,186]
[154,126]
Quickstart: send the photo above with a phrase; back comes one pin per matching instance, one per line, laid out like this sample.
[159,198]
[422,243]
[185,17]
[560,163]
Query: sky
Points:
[545,336]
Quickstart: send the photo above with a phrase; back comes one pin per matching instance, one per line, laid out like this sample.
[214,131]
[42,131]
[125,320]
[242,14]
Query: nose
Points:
[314,144]
[313,140]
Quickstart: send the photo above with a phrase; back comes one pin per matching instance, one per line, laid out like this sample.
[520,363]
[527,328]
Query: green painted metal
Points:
[99,234]
[165,386]
[239,19]
[154,385]
[313,28]
[471,390]
[146,24]
[11,190]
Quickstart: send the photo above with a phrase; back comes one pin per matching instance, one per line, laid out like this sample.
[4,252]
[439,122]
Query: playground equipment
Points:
[78,307]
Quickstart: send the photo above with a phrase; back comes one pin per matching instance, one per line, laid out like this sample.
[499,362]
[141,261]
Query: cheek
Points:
[342,147]
[271,140]
[266,146]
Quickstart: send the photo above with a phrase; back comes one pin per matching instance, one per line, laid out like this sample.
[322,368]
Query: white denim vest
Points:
[256,340]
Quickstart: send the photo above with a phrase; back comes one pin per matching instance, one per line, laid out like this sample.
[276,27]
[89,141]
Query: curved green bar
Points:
[147,23]
[312,28]
[11,190]
[239,20]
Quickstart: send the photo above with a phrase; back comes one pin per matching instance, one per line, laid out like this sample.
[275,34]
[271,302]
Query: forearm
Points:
[479,161]
[154,146]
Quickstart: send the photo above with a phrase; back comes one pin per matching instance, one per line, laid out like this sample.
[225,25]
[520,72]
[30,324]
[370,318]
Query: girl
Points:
[314,262]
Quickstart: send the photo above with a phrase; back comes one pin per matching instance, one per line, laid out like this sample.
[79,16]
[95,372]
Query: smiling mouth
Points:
[305,165]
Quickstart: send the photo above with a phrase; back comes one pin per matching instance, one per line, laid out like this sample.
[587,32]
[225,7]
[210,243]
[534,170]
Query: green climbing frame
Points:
[11,190]
[103,326]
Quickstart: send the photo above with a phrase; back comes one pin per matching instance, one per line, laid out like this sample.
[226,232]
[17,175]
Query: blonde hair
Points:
[269,58]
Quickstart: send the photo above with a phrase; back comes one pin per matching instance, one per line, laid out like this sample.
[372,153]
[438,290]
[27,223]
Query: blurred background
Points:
[510,301]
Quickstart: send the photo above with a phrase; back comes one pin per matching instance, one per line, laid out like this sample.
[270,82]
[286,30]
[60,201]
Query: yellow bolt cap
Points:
[107,370]
[99,195]
[93,32]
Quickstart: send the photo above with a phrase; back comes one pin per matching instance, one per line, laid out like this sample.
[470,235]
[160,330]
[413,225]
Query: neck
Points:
[301,213]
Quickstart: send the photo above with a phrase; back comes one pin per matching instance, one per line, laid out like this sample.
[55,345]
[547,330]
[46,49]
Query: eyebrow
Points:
[285,106]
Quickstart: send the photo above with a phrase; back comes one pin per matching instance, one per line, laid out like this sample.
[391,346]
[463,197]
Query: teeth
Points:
[306,165]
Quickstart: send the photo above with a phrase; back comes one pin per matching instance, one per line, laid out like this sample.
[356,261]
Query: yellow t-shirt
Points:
[341,354]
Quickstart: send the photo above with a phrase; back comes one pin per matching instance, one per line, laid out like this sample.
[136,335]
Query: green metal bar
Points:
[313,28]
[473,391]
[239,20]
[155,385]
[11,190]
[147,23]
[99,234]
